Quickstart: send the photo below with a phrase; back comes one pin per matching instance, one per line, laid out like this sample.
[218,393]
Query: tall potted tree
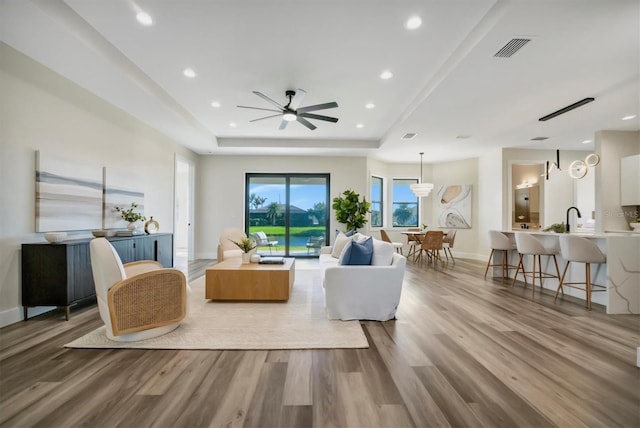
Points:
[351,210]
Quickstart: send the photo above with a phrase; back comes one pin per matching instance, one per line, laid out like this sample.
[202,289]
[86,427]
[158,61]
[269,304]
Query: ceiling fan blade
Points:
[259,108]
[305,122]
[266,117]
[319,117]
[317,107]
[297,99]
[283,124]
[266,98]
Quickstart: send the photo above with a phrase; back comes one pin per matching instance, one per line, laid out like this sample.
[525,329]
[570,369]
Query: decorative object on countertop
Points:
[635,226]
[350,210]
[99,233]
[556,228]
[54,237]
[151,226]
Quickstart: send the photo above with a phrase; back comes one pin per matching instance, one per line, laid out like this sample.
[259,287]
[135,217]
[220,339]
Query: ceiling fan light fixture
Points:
[289,116]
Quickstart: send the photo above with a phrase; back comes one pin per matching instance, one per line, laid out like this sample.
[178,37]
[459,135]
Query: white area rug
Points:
[300,323]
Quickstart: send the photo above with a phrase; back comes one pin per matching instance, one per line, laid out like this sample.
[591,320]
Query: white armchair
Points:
[139,300]
[226,248]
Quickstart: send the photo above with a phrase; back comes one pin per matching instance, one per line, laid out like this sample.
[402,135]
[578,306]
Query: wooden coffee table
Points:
[231,280]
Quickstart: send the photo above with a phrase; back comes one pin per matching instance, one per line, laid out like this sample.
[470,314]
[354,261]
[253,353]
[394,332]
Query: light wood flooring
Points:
[463,352]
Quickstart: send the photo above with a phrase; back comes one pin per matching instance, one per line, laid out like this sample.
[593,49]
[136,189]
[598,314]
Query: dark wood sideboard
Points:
[60,274]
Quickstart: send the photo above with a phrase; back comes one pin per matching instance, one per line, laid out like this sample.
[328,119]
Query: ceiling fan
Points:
[291,112]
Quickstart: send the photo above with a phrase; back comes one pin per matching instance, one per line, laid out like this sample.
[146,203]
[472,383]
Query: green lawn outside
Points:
[294,231]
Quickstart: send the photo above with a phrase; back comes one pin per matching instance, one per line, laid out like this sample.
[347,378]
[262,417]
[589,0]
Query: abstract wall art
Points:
[455,206]
[68,194]
[121,188]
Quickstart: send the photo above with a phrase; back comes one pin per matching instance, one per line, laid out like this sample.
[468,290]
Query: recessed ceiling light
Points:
[413,23]
[144,19]
[369,106]
[233,124]
[215,104]
[631,116]
[587,141]
[189,73]
[359,126]
[385,75]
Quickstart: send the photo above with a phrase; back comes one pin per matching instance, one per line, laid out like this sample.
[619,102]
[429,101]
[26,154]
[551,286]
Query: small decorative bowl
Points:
[99,233]
[636,226]
[54,237]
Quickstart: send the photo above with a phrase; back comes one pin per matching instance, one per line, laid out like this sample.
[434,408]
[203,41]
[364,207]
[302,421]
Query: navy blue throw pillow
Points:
[358,253]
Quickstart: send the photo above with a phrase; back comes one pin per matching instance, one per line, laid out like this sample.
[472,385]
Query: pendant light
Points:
[421,189]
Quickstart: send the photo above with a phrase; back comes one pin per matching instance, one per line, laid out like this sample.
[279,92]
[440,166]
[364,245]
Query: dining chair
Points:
[432,244]
[413,241]
[447,244]
[397,245]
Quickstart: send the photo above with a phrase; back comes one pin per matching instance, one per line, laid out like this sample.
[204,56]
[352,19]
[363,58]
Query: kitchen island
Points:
[620,274]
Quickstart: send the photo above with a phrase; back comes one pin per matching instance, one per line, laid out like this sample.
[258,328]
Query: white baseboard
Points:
[14,315]
[10,316]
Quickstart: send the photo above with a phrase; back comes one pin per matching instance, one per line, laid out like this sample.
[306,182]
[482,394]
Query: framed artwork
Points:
[121,188]
[68,194]
[455,206]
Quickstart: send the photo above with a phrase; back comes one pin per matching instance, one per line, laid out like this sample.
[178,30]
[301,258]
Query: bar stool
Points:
[500,242]
[530,245]
[580,250]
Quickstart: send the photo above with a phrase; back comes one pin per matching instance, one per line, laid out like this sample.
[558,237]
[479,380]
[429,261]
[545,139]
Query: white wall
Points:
[39,110]
[612,146]
[220,182]
[490,199]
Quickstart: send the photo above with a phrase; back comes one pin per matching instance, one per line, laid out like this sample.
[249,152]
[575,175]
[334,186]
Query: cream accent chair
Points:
[226,248]
[139,300]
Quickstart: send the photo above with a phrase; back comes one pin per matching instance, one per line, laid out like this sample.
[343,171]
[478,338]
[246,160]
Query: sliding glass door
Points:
[287,214]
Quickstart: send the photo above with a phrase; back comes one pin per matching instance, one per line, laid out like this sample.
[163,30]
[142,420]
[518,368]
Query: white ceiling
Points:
[446,80]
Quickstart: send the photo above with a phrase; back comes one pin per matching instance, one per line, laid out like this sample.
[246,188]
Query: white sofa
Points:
[362,292]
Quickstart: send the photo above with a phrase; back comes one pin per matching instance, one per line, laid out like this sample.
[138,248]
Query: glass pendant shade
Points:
[421,189]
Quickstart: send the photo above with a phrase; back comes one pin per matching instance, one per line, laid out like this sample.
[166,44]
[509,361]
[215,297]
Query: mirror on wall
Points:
[525,210]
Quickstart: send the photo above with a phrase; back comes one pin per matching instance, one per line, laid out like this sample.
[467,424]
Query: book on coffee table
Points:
[271,260]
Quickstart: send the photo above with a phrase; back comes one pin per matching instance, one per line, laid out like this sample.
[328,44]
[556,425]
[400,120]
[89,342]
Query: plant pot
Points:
[246,258]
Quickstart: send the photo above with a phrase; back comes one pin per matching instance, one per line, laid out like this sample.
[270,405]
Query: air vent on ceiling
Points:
[539,138]
[463,137]
[513,46]
[566,109]
[409,136]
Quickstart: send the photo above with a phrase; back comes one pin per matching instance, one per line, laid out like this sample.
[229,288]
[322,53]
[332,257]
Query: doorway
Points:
[183,217]
[287,214]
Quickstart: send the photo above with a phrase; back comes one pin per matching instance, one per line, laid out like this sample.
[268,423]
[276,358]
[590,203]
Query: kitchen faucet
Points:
[577,212]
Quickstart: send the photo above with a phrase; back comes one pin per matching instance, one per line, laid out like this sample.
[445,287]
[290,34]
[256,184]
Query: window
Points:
[287,214]
[377,202]
[405,204]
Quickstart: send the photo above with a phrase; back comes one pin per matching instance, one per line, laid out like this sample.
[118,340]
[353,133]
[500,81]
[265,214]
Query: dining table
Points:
[418,235]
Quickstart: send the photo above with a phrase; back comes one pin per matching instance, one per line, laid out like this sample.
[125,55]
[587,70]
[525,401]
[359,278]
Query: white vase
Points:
[131,226]
[246,258]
